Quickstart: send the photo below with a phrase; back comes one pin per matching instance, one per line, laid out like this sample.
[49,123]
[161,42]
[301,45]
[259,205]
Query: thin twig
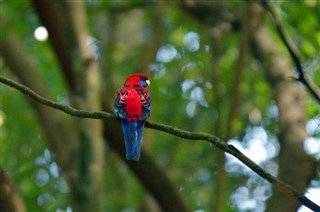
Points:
[294,55]
[288,190]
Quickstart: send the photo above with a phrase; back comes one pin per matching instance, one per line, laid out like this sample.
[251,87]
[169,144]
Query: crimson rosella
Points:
[133,106]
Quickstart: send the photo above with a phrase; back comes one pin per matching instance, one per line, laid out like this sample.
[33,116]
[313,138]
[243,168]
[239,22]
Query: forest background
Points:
[218,67]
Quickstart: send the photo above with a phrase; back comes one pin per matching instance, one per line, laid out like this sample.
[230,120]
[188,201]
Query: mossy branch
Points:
[221,144]
[312,88]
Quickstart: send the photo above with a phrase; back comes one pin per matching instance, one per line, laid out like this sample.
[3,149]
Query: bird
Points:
[132,106]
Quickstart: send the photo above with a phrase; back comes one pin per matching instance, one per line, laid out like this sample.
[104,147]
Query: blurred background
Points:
[215,66]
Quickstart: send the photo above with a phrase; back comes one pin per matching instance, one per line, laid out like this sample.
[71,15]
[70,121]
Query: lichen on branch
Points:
[221,144]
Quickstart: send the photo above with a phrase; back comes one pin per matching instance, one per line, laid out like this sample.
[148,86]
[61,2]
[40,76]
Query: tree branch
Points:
[288,190]
[314,91]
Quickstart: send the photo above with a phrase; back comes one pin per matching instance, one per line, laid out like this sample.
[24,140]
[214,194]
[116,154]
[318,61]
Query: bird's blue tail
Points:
[132,132]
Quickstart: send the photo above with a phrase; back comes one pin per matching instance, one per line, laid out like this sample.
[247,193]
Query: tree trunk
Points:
[152,177]
[295,167]
[60,134]
[10,201]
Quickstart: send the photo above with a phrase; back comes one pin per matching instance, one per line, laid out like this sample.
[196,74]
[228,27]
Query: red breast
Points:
[133,106]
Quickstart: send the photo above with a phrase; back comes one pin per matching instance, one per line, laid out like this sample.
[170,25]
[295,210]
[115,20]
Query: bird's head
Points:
[137,79]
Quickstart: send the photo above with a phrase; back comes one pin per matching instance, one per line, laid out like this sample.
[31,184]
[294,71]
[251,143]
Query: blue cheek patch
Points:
[143,83]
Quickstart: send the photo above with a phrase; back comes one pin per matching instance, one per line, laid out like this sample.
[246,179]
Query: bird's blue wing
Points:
[119,103]
[145,100]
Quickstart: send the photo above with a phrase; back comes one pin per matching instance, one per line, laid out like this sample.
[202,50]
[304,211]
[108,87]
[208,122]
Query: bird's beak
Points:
[148,82]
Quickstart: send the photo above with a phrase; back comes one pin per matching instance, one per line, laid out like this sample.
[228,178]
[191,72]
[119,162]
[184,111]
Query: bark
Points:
[59,35]
[157,37]
[235,106]
[62,138]
[146,171]
[88,92]
[151,176]
[10,200]
[287,189]
[295,167]
[219,194]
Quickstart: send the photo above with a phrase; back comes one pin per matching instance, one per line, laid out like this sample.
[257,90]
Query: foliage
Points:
[186,91]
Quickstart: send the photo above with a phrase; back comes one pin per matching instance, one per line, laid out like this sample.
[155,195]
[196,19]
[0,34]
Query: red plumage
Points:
[133,105]
[133,108]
